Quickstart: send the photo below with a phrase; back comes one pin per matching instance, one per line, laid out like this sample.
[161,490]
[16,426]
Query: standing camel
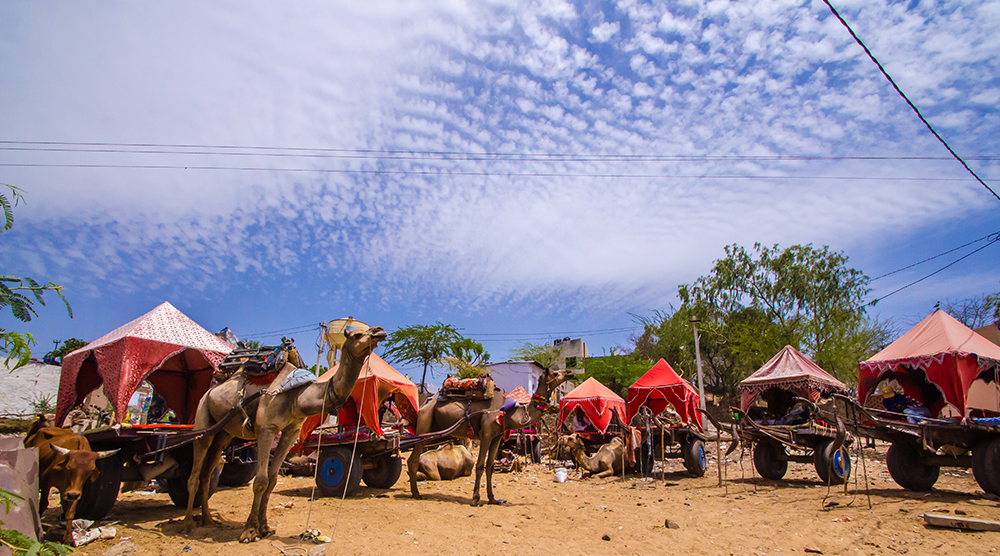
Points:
[439,415]
[268,416]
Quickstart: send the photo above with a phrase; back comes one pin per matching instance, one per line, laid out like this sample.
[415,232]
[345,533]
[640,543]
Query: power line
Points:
[475,174]
[995,235]
[369,154]
[902,94]
[564,333]
[302,328]
[991,242]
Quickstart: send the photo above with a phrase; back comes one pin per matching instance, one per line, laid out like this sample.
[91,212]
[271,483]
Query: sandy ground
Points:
[747,515]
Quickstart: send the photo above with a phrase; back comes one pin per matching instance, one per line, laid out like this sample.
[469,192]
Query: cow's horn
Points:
[107,453]
[59,449]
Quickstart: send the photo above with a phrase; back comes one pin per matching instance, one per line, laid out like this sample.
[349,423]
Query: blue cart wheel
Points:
[337,474]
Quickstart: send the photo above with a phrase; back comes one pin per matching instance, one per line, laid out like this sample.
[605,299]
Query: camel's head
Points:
[360,343]
[571,442]
[551,379]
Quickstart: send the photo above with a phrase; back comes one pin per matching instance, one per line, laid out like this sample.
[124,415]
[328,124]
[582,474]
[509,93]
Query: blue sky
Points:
[522,170]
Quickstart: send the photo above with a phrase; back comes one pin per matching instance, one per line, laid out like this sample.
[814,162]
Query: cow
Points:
[65,462]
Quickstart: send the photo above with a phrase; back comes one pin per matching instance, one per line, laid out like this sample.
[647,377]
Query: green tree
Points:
[544,354]
[429,344]
[617,372]
[67,347]
[755,302]
[20,294]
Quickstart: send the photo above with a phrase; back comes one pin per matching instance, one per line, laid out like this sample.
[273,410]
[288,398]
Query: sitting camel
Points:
[488,423]
[605,463]
[270,415]
[446,463]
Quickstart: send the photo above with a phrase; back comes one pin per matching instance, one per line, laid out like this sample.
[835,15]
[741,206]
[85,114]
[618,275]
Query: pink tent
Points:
[938,353]
[597,402]
[792,371]
[164,346]
[660,386]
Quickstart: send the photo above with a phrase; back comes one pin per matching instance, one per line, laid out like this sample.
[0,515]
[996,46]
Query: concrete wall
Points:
[20,387]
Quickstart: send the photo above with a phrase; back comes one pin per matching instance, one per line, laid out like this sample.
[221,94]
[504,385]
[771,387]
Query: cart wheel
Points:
[835,469]
[386,472]
[177,487]
[986,465]
[694,458]
[536,451]
[901,459]
[334,464]
[99,495]
[768,459]
[238,473]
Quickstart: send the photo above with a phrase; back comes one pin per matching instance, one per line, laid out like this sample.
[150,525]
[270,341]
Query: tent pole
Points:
[697,353]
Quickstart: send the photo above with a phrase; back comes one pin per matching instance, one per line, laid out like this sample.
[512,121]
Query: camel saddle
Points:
[259,364]
[479,388]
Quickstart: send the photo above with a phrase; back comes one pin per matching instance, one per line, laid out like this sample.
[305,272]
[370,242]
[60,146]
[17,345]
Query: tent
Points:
[660,386]
[164,346]
[597,402]
[520,395]
[936,362]
[377,383]
[792,371]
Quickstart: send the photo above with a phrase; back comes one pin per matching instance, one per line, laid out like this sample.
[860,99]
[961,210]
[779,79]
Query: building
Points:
[511,374]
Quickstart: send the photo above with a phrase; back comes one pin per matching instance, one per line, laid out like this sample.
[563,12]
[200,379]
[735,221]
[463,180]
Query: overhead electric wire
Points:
[963,257]
[995,235]
[476,174]
[369,154]
[902,94]
[302,328]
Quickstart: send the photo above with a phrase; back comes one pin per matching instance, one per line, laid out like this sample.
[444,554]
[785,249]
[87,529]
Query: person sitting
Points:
[898,403]
[798,415]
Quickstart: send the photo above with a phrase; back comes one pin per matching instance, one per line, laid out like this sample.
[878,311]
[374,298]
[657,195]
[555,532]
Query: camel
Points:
[605,463]
[446,463]
[486,425]
[272,414]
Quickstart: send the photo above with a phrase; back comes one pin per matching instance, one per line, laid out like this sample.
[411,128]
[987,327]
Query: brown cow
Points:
[65,462]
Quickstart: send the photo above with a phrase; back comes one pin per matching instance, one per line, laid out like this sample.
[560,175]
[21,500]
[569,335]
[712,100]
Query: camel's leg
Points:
[289,437]
[412,467]
[605,473]
[484,451]
[212,458]
[491,459]
[201,447]
[264,440]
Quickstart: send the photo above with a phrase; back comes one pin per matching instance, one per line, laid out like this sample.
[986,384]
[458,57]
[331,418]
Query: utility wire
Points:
[366,154]
[477,174]
[902,94]
[991,242]
[302,328]
[994,235]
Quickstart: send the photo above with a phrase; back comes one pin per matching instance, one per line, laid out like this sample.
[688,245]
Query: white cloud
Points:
[604,31]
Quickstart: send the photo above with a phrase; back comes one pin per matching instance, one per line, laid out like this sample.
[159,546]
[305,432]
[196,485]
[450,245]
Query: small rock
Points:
[124,548]
[606,537]
[671,524]
[810,550]
[960,512]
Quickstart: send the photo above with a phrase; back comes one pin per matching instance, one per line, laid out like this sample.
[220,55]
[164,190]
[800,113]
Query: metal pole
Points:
[697,354]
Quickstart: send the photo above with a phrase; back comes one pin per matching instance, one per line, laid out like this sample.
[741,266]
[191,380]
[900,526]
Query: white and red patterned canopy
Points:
[165,340]
[792,371]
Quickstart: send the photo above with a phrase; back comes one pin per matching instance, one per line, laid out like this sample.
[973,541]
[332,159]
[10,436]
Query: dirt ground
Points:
[748,515]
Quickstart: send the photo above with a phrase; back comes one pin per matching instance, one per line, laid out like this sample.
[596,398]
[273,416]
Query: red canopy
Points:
[377,383]
[177,356]
[596,400]
[947,353]
[792,371]
[660,386]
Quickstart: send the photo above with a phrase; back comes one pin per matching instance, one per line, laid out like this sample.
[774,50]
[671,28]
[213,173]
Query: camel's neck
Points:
[325,396]
[539,403]
[581,457]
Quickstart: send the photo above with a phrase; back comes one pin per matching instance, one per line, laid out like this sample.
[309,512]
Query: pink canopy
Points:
[520,395]
[947,353]
[177,356]
[597,402]
[660,386]
[792,371]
